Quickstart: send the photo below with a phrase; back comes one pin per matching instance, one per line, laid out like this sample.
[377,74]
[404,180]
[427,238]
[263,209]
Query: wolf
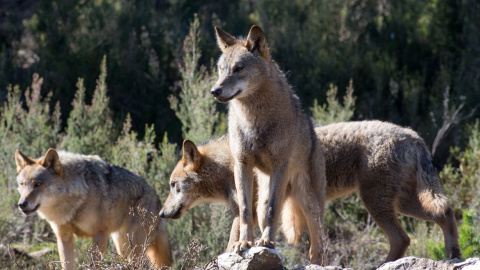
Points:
[269,132]
[388,165]
[85,196]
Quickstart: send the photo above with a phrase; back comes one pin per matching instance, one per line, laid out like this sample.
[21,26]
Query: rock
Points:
[260,258]
[414,263]
[255,258]
[318,267]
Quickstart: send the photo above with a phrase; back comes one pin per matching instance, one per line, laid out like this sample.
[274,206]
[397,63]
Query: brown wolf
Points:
[85,196]
[389,165]
[268,131]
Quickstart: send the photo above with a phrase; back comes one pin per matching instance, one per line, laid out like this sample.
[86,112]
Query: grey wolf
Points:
[268,132]
[87,197]
[388,165]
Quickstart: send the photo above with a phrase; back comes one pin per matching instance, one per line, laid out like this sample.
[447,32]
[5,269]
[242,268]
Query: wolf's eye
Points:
[37,184]
[172,185]
[237,68]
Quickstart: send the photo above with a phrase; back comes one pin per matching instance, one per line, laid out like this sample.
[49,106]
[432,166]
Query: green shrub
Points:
[28,124]
[90,127]
[333,111]
[462,182]
[195,107]
[469,234]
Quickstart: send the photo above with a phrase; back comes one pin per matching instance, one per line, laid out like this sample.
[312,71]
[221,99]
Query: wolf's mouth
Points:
[225,100]
[29,212]
[177,214]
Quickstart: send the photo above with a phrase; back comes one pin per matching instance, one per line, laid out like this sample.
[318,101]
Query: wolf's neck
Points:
[270,100]
[226,181]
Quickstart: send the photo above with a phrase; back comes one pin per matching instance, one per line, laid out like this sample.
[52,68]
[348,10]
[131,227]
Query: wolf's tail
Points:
[293,222]
[429,188]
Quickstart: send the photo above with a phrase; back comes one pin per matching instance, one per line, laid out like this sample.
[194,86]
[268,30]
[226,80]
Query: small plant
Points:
[462,183]
[194,106]
[333,111]
[469,237]
[90,127]
[116,261]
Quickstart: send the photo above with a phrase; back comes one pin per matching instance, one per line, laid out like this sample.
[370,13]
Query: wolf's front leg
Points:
[100,241]
[244,186]
[276,194]
[65,245]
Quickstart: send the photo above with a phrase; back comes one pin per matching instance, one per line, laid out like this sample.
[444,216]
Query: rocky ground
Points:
[258,258]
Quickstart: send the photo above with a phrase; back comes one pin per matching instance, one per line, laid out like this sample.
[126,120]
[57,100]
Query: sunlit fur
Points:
[87,197]
[388,165]
[269,132]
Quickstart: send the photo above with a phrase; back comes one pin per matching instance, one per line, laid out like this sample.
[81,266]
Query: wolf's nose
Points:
[162,215]
[23,204]
[216,92]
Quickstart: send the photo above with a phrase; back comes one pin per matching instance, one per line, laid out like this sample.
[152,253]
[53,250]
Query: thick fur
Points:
[269,132]
[388,165]
[87,197]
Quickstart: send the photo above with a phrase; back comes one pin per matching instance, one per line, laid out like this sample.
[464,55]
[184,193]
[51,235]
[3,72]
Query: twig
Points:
[13,257]
[447,122]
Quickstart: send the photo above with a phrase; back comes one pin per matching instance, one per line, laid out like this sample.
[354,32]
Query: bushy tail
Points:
[429,188]
[293,222]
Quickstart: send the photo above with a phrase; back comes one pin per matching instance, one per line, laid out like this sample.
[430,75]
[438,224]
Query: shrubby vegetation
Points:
[403,59]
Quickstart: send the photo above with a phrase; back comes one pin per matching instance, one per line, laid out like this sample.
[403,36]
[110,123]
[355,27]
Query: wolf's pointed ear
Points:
[51,160]
[190,153]
[22,161]
[224,39]
[256,41]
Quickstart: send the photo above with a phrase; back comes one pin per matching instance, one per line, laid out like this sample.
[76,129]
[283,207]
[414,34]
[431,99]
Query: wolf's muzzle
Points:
[175,214]
[216,92]
[23,205]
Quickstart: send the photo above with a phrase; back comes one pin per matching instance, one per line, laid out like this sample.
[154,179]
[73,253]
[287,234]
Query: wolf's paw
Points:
[264,242]
[241,246]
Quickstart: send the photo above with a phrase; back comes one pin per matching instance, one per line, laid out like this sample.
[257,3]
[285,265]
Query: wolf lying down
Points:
[85,196]
[388,165]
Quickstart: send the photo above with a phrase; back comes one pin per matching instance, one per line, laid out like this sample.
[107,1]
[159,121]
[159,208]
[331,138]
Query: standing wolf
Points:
[269,132]
[388,165]
[88,197]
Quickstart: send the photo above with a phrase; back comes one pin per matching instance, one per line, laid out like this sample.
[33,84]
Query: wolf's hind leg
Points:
[310,202]
[234,234]
[382,210]
[293,221]
[412,207]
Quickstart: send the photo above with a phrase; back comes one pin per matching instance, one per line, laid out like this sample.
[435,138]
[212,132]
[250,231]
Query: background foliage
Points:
[413,63]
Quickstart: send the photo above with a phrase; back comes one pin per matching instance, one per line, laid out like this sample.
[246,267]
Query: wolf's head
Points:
[194,180]
[242,64]
[35,177]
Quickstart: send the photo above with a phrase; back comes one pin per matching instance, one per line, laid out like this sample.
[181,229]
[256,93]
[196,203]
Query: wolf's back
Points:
[110,180]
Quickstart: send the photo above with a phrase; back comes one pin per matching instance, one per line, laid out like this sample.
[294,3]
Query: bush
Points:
[462,183]
[333,111]
[90,127]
